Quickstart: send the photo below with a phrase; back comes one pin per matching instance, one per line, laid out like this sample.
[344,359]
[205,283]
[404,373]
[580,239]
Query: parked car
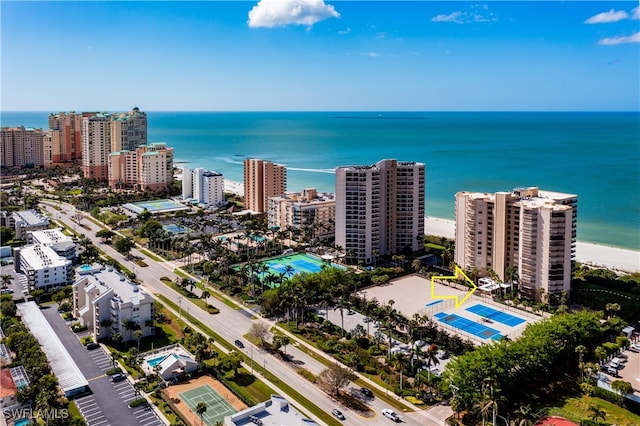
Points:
[239,344]
[390,414]
[612,372]
[337,414]
[615,363]
[6,291]
[635,347]
[118,377]
[92,345]
[367,392]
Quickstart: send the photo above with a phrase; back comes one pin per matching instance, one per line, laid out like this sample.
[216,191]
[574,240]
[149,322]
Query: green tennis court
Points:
[217,406]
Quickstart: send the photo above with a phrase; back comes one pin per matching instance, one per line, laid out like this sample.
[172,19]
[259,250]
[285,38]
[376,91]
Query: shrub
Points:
[113,371]
[137,403]
[307,375]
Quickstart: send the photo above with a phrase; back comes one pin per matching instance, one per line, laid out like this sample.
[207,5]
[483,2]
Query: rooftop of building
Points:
[63,366]
[277,411]
[51,236]
[31,218]
[38,257]
[106,277]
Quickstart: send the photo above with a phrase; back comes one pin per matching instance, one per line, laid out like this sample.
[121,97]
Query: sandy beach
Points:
[234,187]
[587,253]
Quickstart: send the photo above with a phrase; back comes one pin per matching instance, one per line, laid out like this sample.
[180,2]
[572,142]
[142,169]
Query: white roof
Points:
[41,257]
[63,366]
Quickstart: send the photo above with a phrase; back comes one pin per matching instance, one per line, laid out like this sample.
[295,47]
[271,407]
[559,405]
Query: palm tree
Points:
[580,350]
[107,323]
[431,357]
[596,413]
[138,336]
[201,408]
[416,265]
[6,280]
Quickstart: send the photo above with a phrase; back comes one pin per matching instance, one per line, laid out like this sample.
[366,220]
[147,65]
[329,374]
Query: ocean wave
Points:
[300,169]
[229,160]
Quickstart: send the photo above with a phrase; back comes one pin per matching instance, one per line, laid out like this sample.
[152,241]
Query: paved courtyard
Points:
[478,318]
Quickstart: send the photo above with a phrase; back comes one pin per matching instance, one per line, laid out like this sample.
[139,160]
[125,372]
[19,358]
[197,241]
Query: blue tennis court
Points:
[495,315]
[468,326]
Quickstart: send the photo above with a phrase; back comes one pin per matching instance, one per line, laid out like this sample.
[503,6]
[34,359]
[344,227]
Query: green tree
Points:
[622,388]
[201,408]
[138,336]
[123,245]
[335,377]
[595,413]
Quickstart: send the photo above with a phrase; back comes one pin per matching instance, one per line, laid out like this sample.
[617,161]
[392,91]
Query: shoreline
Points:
[592,254]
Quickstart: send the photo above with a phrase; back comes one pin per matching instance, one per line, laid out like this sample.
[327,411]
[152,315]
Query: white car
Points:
[390,414]
[615,363]
[635,347]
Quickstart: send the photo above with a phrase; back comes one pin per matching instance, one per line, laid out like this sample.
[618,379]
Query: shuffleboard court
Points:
[217,407]
[471,327]
[496,315]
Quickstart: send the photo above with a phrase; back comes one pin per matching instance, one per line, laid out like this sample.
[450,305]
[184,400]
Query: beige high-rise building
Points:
[24,147]
[528,229]
[148,167]
[96,146]
[311,212]
[128,130]
[66,129]
[262,179]
[380,209]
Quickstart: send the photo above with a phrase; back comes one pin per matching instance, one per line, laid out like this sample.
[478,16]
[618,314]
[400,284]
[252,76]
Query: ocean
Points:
[594,155]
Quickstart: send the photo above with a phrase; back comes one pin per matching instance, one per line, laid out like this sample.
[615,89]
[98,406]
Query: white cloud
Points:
[612,41]
[607,17]
[370,54]
[453,17]
[635,13]
[279,13]
[474,13]
[343,32]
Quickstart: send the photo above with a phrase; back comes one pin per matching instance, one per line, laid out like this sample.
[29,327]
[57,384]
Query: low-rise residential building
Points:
[59,242]
[43,267]
[171,363]
[275,411]
[26,221]
[11,381]
[203,186]
[312,212]
[107,303]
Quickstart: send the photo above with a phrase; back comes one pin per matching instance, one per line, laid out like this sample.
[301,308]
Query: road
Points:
[232,324]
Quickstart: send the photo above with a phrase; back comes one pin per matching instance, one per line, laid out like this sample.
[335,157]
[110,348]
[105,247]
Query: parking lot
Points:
[108,403]
[629,371]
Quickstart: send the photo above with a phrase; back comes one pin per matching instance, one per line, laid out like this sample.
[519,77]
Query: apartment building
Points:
[262,179]
[203,186]
[528,229]
[25,147]
[62,244]
[380,209]
[27,221]
[148,167]
[43,267]
[107,303]
[128,130]
[308,211]
[65,130]
[96,146]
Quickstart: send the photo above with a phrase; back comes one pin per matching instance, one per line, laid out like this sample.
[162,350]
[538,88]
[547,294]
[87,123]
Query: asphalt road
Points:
[231,324]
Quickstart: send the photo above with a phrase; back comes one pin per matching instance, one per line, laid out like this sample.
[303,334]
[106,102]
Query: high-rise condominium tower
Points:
[528,231]
[262,179]
[66,135]
[380,209]
[128,130]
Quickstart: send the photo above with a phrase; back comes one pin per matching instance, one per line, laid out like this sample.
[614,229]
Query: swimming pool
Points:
[495,315]
[155,361]
[466,325]
[22,422]
[85,267]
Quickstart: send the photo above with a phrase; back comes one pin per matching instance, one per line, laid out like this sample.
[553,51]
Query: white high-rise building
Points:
[528,229]
[204,186]
[312,212]
[380,209]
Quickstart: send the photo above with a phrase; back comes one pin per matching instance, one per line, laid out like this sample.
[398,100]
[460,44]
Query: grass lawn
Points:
[577,409]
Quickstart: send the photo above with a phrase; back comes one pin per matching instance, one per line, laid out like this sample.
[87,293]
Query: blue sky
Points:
[314,55]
